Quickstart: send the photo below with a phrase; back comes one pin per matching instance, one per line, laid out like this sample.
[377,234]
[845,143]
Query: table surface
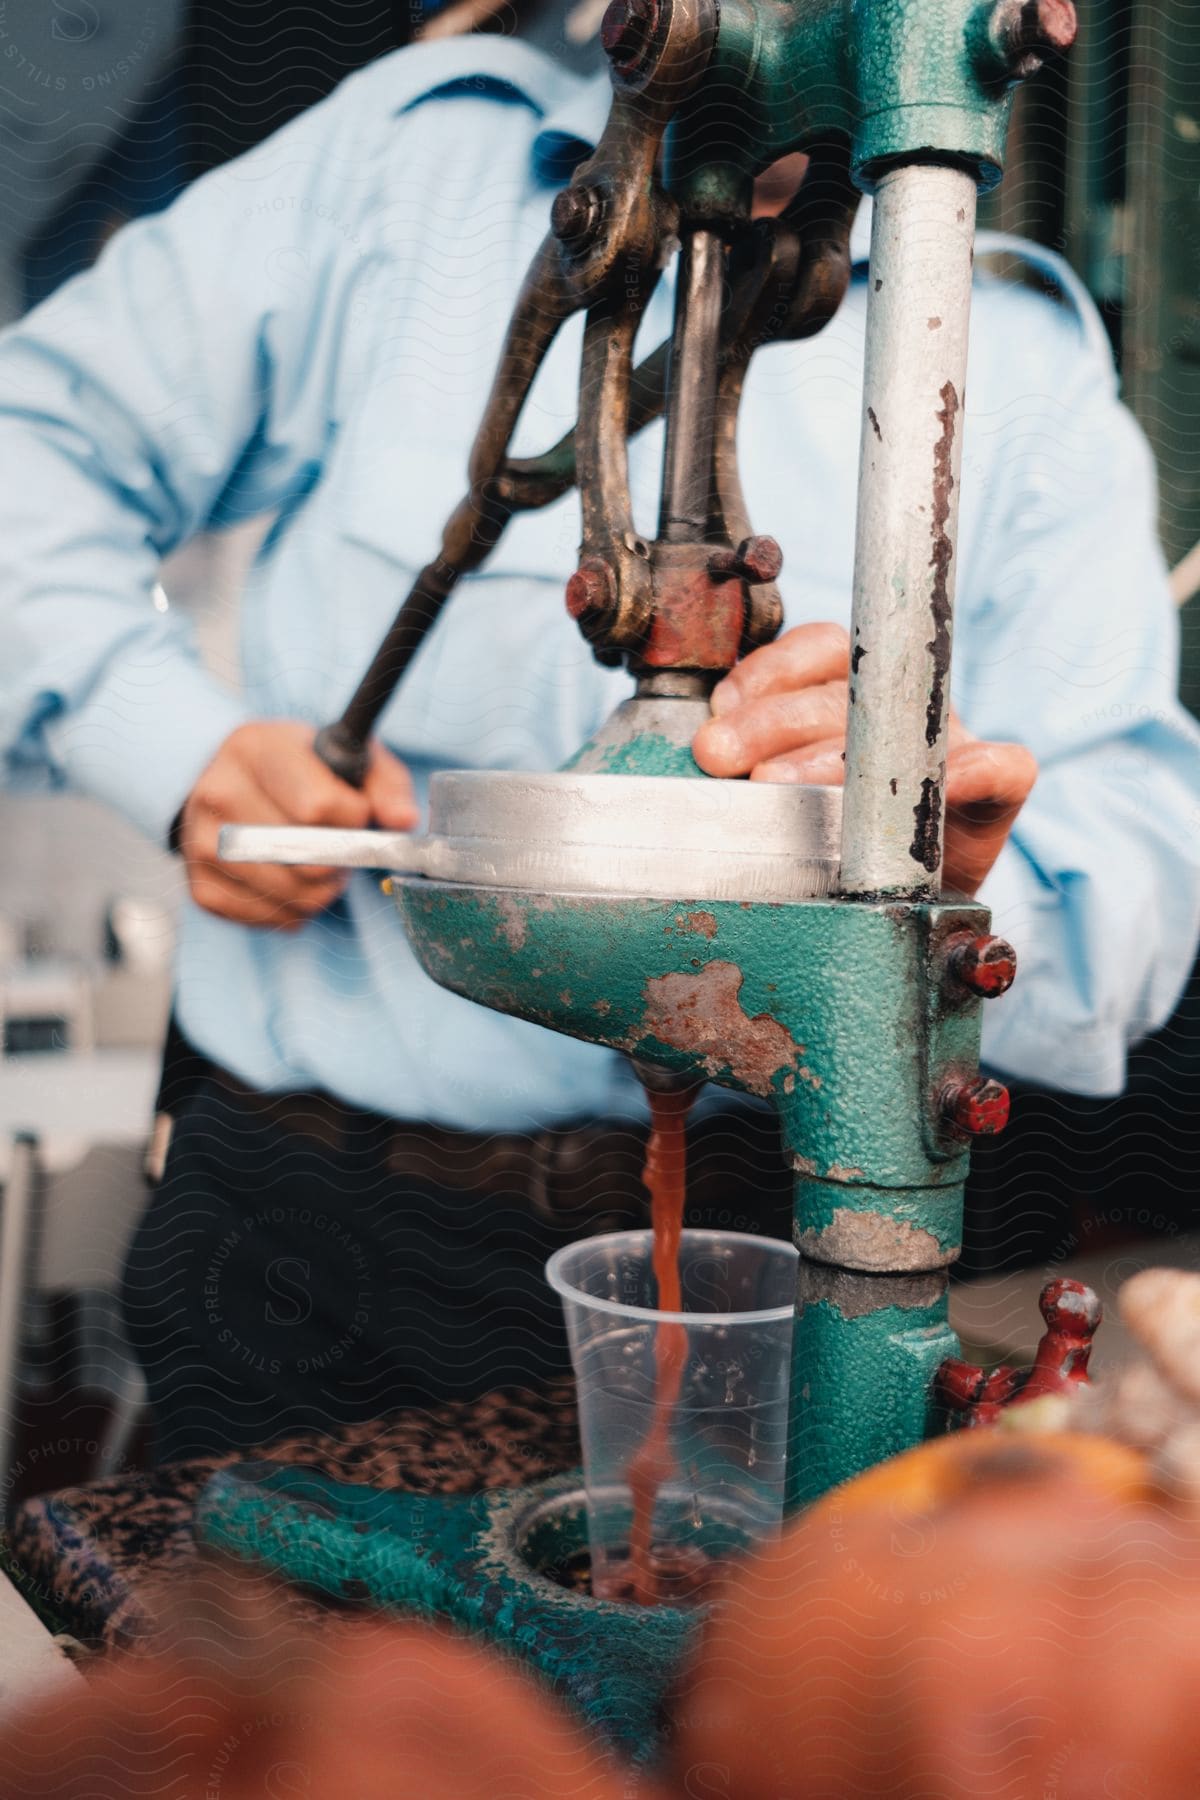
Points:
[31,1663]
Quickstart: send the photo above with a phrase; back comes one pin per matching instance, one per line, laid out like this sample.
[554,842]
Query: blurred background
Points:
[107,109]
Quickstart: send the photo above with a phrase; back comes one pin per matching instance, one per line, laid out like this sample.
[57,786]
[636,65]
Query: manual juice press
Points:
[789,942]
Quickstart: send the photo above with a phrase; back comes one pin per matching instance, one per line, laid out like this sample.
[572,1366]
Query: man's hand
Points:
[267,773]
[781,716]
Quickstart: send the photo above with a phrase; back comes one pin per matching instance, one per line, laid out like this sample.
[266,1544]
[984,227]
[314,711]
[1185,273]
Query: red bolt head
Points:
[761,559]
[985,965]
[978,1108]
[591,591]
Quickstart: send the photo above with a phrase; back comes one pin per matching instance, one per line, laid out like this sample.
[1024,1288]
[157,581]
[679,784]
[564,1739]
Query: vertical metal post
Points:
[692,389]
[918,315]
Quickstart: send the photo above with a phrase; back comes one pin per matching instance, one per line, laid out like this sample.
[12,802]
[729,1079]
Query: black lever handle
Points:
[344,745]
[470,535]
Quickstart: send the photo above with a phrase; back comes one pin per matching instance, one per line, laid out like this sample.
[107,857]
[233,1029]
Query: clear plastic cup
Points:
[726,1436]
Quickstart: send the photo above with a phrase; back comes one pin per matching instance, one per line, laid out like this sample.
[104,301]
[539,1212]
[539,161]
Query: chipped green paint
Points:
[865,1384]
[914,1227]
[903,79]
[825,1008]
[457,1557]
[836,1012]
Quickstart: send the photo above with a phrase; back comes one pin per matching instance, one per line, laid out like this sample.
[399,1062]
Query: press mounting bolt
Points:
[987,966]
[592,593]
[575,216]
[756,560]
[978,1108]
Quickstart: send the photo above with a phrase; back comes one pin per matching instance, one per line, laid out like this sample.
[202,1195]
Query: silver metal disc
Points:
[639,835]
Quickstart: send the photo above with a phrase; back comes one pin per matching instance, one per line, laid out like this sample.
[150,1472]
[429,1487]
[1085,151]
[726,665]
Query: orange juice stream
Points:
[665,1176]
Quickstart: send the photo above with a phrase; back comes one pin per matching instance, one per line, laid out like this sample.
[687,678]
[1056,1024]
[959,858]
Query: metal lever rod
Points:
[918,315]
[468,538]
[399,852]
[694,375]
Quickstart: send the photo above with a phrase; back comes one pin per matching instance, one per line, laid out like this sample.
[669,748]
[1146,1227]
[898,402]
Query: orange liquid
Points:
[666,1178]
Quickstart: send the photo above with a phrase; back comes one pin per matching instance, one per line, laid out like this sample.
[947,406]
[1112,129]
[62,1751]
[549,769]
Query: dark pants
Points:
[303,1266]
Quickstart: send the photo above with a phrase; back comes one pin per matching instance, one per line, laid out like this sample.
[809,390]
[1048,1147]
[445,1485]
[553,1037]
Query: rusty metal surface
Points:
[838,1013]
[610,232]
[874,1242]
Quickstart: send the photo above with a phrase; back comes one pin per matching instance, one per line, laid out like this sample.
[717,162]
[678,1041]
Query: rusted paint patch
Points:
[857,1296]
[926,847]
[703,923]
[703,1016]
[836,1172]
[940,561]
[935,324]
[856,659]
[874,1243]
[513,925]
[874,423]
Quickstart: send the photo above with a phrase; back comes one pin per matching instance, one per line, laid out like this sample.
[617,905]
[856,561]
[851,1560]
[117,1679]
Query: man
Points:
[360,1191]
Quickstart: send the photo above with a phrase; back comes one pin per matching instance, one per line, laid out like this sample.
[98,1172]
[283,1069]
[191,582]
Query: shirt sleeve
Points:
[1074,652]
[188,380]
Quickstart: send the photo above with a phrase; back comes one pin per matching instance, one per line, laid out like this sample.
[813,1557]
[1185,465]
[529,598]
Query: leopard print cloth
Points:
[100,1557]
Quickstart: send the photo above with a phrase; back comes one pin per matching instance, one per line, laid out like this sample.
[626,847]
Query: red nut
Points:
[592,591]
[985,965]
[756,560]
[761,559]
[978,1108]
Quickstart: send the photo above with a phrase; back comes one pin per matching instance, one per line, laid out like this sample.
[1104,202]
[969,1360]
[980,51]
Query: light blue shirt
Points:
[311,331]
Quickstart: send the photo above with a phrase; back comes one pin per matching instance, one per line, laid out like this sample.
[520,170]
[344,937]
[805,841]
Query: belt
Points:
[584,1177]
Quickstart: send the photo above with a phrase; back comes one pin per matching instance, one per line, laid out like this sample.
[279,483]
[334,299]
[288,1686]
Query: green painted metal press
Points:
[788,942]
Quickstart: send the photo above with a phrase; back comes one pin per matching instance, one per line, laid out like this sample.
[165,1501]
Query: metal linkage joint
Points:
[756,559]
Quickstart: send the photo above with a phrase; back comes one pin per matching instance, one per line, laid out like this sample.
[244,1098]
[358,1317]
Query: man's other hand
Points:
[781,716]
[267,773]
